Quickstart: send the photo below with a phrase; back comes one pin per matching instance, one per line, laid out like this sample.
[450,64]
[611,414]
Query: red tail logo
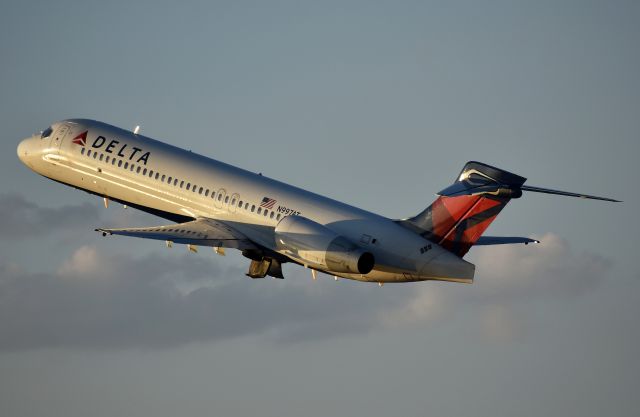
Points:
[81,139]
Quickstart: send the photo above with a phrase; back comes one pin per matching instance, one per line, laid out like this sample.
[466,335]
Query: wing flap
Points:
[203,232]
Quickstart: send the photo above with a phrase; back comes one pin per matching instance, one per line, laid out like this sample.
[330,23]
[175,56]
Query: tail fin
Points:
[464,210]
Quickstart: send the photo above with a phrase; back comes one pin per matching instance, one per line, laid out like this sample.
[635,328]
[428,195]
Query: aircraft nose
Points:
[22,149]
[25,148]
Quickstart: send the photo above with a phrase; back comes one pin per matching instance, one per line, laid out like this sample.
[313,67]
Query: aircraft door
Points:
[220,196]
[233,202]
[58,136]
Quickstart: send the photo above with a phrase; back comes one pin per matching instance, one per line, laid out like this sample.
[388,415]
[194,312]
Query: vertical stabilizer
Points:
[464,210]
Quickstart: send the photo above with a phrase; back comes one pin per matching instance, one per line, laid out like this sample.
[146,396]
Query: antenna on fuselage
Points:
[136,130]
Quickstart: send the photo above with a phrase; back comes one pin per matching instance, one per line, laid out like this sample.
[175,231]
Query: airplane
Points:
[213,204]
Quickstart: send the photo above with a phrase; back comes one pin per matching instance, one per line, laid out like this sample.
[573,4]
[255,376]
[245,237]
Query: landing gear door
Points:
[58,136]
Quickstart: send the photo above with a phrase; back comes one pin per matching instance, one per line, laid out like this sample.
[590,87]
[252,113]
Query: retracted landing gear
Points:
[261,266]
[267,266]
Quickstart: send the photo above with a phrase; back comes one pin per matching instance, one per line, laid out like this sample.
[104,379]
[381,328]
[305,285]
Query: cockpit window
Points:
[46,133]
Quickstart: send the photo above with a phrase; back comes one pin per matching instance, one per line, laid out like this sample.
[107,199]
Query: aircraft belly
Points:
[448,267]
[382,276]
[435,264]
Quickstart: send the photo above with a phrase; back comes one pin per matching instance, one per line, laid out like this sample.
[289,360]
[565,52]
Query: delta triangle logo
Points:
[81,139]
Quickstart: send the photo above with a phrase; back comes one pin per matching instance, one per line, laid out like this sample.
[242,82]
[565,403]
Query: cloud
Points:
[426,304]
[20,218]
[102,300]
[507,276]
[84,261]
[499,322]
[97,300]
[546,269]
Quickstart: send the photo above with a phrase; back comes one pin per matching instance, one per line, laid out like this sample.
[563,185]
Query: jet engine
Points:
[314,244]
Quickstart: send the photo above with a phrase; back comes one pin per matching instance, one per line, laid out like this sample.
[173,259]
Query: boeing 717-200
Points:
[214,204]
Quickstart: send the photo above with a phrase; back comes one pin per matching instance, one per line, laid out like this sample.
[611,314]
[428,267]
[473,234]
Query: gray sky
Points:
[378,104]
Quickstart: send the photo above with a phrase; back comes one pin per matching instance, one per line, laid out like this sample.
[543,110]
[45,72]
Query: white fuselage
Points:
[176,183]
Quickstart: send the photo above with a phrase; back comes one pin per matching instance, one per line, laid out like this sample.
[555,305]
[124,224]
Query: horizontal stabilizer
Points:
[504,240]
[566,193]
[477,179]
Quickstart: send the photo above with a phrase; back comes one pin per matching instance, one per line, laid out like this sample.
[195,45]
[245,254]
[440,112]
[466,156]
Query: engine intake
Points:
[316,245]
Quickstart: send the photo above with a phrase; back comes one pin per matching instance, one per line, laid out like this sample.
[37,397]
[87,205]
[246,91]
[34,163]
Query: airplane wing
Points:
[504,240]
[204,232]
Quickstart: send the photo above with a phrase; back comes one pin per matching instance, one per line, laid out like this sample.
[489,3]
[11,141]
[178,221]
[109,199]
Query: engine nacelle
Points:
[316,245]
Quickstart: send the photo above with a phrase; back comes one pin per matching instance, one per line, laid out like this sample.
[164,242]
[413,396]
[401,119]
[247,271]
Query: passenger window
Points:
[138,170]
[175,182]
[82,151]
[266,212]
[113,161]
[188,186]
[206,193]
[233,202]
[181,183]
[253,208]
[95,155]
[278,216]
[106,160]
[259,210]
[162,179]
[240,204]
[88,152]
[272,214]
[226,199]
[200,190]
[101,156]
[169,180]
[119,163]
[132,167]
[144,172]
[126,165]
[157,175]
[219,197]
[246,206]
[150,173]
